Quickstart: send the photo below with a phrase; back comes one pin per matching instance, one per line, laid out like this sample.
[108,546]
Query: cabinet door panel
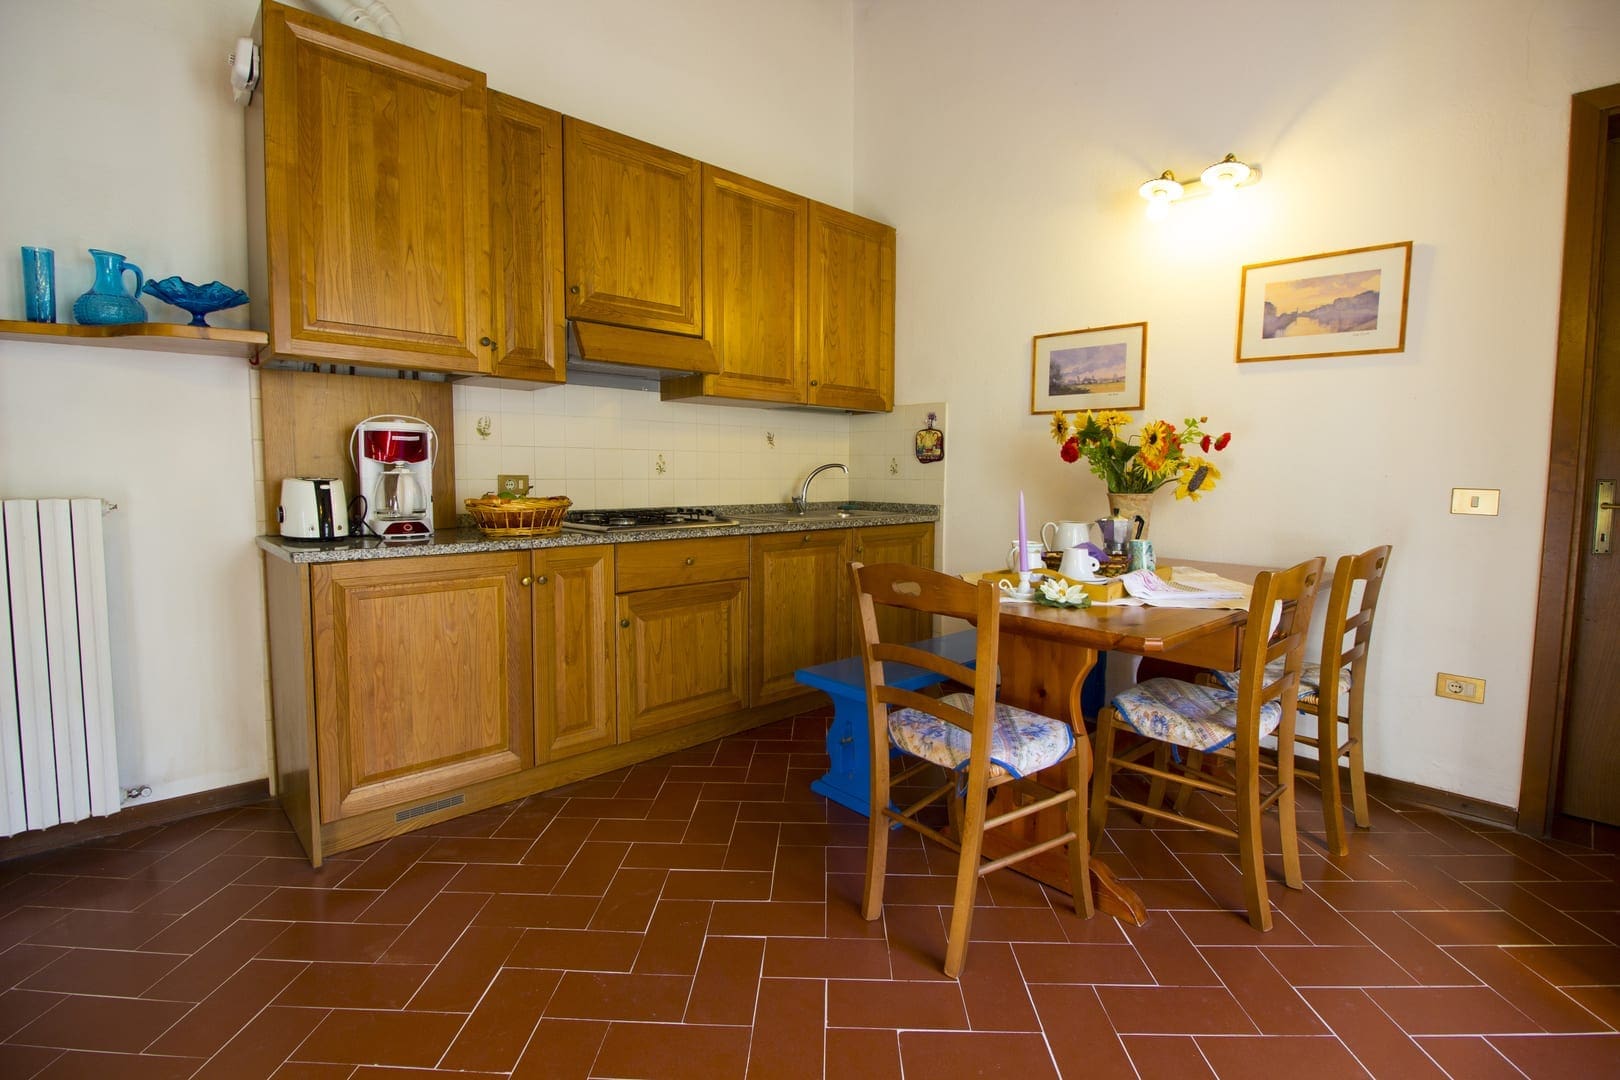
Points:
[851,311]
[376,199]
[573,651]
[683,655]
[800,614]
[909,544]
[755,244]
[422,677]
[526,221]
[632,243]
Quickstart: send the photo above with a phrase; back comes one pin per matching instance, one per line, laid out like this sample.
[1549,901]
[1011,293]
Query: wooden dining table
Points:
[1046,654]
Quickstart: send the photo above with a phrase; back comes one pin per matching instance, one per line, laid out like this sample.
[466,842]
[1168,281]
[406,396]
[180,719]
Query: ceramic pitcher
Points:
[1063,535]
[107,304]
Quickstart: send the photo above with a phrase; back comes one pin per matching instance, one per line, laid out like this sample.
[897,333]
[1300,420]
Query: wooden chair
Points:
[994,743]
[1343,671]
[1227,725]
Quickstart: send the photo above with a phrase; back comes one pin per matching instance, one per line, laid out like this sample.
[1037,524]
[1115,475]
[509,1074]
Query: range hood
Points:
[608,355]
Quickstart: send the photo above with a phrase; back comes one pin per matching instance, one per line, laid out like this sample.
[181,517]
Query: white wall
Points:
[119,133]
[1005,143]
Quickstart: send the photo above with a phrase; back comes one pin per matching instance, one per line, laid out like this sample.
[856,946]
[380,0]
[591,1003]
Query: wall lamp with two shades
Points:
[1225,175]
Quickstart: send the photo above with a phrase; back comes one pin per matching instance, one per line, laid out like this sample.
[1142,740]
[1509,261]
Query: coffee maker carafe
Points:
[393,461]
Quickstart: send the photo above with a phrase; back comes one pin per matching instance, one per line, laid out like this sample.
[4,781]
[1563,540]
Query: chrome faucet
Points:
[801,501]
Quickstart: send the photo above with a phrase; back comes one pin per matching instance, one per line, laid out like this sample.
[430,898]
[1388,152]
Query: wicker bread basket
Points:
[519,517]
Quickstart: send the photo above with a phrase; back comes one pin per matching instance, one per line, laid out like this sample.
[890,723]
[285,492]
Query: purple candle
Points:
[1023,545]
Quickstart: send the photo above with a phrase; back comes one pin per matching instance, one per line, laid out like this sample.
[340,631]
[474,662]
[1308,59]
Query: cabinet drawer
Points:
[681,562]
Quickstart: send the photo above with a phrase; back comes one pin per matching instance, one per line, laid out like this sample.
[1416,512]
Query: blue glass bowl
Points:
[200,300]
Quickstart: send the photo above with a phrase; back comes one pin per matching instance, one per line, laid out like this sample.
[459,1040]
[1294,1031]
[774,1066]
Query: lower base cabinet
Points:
[911,544]
[422,677]
[407,691]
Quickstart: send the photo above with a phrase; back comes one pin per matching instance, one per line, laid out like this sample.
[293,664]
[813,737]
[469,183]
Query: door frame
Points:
[1567,518]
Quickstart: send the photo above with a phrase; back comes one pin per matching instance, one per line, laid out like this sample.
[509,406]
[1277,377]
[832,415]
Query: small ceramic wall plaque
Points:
[930,442]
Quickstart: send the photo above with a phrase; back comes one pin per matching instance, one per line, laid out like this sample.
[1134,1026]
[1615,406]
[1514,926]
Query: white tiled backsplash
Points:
[611,447]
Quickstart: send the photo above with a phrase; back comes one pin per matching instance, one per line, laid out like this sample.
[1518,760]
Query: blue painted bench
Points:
[848,780]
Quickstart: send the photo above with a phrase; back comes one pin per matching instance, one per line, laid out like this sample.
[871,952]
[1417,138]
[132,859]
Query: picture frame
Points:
[1102,367]
[1340,303]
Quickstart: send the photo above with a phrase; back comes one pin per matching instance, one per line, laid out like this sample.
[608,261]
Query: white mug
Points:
[1065,534]
[1079,564]
[1032,547]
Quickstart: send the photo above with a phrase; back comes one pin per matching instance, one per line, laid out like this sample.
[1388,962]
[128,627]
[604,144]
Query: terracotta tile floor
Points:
[695,917]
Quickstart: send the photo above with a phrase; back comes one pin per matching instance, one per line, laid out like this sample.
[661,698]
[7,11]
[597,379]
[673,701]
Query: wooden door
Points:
[633,238]
[683,655]
[574,692]
[755,243]
[909,544]
[422,677]
[851,311]
[1591,753]
[376,199]
[530,339]
[800,607]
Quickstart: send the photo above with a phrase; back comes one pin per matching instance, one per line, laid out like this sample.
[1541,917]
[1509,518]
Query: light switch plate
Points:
[1475,500]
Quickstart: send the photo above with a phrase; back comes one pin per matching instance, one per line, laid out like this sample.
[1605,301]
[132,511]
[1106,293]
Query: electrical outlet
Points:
[512,483]
[1459,687]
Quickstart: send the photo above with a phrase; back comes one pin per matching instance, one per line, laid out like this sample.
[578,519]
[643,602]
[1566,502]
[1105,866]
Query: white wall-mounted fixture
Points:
[372,16]
[244,70]
[1223,176]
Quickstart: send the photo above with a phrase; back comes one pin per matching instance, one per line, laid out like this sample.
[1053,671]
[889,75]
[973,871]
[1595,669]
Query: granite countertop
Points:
[469,540]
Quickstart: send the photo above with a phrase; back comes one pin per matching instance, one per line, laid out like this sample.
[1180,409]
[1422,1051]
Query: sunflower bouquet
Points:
[1146,460]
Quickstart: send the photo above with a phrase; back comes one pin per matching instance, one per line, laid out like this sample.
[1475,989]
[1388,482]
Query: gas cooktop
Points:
[659,517]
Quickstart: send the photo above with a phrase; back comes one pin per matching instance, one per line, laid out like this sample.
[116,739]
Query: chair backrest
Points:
[1295,590]
[917,588]
[1368,568]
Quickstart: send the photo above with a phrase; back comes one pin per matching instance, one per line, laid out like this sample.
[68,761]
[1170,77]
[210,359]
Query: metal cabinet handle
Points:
[541,580]
[813,382]
[625,623]
[574,289]
[691,561]
[526,580]
[486,343]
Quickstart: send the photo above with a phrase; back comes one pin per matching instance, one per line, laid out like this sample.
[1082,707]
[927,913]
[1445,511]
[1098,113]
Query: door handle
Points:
[1603,520]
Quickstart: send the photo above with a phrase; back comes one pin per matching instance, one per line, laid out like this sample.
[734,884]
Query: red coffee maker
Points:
[393,462]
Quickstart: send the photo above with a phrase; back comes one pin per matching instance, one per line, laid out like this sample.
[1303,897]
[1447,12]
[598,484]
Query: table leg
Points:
[1046,677]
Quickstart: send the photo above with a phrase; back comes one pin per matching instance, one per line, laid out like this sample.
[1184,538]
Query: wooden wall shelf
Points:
[160,337]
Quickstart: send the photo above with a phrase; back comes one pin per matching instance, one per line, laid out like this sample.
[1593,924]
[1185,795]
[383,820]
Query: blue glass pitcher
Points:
[107,304]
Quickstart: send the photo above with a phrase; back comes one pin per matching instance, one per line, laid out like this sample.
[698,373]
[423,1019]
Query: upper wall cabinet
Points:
[851,311]
[526,238]
[633,213]
[373,174]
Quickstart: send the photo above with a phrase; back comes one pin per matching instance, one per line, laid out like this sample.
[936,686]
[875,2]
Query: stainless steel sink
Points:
[789,515]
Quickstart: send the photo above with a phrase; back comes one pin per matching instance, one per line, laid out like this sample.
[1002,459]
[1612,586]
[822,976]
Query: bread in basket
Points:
[520,516]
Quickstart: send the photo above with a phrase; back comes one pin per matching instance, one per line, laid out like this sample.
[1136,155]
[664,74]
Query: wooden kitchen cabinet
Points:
[632,231]
[369,199]
[755,293]
[800,607]
[910,544]
[575,689]
[526,239]
[851,304]
[422,677]
[682,633]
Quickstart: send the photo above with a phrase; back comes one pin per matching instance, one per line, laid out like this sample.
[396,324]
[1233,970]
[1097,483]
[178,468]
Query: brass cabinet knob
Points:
[805,539]
[691,561]
[860,551]
[574,289]
[813,382]
[486,343]
[526,580]
[541,580]
[625,623]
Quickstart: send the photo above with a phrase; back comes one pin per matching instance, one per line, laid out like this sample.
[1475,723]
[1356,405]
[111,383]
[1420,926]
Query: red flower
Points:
[1220,443]
[1070,450]
[1203,444]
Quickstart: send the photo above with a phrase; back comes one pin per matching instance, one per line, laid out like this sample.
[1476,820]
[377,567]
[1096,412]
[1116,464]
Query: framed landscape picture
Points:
[1104,367]
[1344,303]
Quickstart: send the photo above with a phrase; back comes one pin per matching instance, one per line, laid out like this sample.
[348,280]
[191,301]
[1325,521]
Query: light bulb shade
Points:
[1227,173]
[1161,189]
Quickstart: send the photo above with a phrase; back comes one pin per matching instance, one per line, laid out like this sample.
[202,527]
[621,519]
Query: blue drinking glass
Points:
[39,284]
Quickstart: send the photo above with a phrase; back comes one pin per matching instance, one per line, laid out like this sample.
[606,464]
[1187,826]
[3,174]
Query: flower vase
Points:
[1133,505]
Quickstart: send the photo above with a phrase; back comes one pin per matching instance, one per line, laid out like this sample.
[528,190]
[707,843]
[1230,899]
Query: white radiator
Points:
[58,758]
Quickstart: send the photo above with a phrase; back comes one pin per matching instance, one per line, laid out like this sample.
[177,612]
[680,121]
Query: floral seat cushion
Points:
[1021,742]
[1184,713]
[1310,679]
